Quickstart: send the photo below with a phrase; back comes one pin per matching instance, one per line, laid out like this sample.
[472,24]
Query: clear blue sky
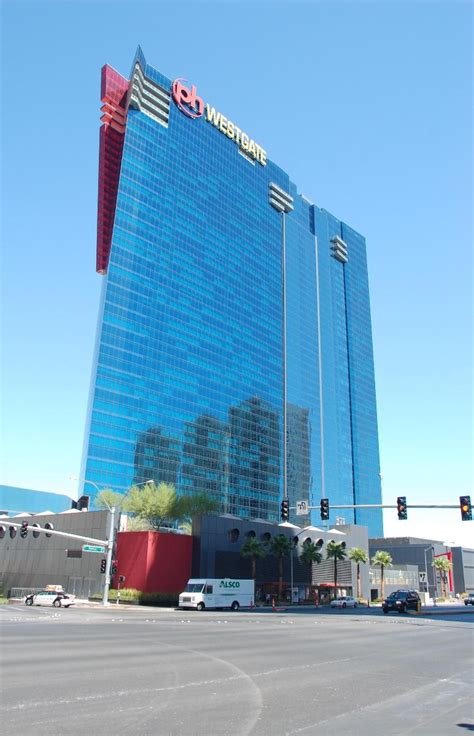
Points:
[366,105]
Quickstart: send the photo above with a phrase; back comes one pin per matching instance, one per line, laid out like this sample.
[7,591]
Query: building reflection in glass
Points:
[237,462]
[205,458]
[254,460]
[298,457]
[157,457]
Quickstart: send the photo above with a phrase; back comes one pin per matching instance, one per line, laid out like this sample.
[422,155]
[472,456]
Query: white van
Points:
[201,593]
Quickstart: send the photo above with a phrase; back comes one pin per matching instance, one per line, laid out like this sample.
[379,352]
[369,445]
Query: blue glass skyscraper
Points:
[234,351]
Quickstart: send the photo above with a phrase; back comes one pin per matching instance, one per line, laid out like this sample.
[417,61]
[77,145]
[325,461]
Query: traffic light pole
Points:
[108,543]
[52,532]
[108,564]
[383,506]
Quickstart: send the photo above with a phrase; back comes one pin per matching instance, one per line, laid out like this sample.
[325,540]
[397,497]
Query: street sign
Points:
[93,548]
[301,508]
[422,577]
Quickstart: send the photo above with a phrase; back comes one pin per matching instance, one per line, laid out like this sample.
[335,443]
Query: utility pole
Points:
[108,564]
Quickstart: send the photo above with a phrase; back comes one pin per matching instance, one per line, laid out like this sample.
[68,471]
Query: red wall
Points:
[154,561]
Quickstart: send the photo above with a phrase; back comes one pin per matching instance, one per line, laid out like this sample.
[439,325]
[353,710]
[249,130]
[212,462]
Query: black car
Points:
[469,600]
[401,601]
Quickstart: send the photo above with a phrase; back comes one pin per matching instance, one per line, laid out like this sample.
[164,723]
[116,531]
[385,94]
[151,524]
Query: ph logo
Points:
[187,99]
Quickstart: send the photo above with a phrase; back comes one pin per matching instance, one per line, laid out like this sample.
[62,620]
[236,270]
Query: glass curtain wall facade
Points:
[234,347]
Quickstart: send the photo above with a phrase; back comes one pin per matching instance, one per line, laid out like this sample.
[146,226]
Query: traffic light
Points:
[12,532]
[48,525]
[36,534]
[82,503]
[3,531]
[402,508]
[24,529]
[103,565]
[114,567]
[466,508]
[285,509]
[324,509]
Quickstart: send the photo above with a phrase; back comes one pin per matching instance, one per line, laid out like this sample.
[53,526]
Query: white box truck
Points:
[201,593]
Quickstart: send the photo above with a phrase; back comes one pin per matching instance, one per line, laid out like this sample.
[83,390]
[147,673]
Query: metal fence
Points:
[22,592]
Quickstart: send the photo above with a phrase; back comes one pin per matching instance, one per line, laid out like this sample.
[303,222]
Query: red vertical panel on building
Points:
[169,562]
[132,551]
[154,562]
[114,90]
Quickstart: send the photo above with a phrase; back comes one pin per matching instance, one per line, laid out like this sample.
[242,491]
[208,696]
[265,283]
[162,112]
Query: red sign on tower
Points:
[187,99]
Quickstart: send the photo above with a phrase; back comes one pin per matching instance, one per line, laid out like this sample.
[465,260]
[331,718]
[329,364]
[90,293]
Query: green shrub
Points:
[159,599]
[131,595]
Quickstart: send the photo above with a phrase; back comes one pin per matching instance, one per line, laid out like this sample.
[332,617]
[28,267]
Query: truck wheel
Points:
[57,603]
[200,606]
[29,602]
[235,606]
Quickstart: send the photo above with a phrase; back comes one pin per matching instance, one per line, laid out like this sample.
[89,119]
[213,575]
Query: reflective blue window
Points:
[190,372]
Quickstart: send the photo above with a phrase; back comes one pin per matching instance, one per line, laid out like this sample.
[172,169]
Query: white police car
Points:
[54,597]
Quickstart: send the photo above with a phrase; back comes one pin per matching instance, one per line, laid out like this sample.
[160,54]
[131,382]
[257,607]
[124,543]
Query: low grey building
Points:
[395,578]
[422,552]
[32,563]
[217,541]
[463,569]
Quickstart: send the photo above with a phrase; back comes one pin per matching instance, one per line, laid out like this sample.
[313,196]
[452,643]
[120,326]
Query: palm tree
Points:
[443,566]
[309,554]
[255,550]
[384,559]
[359,556]
[160,504]
[196,504]
[281,547]
[156,503]
[136,524]
[336,551]
[108,498]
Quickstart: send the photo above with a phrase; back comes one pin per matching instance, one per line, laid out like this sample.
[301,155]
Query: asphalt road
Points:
[146,671]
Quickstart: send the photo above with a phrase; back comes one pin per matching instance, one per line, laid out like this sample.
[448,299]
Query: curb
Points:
[442,612]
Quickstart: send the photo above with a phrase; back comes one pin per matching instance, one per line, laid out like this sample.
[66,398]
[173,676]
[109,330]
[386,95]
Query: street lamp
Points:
[110,538]
[83,480]
[99,490]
